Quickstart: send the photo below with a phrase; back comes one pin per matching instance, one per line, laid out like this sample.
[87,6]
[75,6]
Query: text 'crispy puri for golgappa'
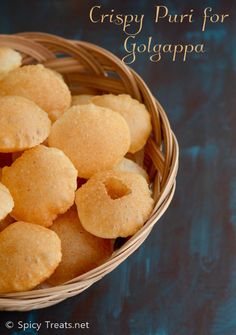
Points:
[9,60]
[135,114]
[42,182]
[81,251]
[40,85]
[114,204]
[23,124]
[94,138]
[6,201]
[29,254]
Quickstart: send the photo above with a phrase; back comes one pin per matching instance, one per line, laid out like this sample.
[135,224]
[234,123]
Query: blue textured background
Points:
[182,281]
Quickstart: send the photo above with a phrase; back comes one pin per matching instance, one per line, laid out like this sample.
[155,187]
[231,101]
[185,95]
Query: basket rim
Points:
[170,167]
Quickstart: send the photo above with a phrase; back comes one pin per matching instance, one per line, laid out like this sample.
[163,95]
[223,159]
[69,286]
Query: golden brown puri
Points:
[81,99]
[23,124]
[81,251]
[42,182]
[114,204]
[56,73]
[135,114]
[127,165]
[9,60]
[40,85]
[94,138]
[29,254]
[6,201]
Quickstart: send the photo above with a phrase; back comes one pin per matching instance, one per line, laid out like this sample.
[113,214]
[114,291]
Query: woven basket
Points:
[88,68]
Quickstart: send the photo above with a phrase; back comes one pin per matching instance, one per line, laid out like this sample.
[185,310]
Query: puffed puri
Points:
[81,99]
[41,85]
[23,124]
[127,165]
[114,204]
[94,138]
[81,251]
[9,60]
[42,182]
[135,114]
[6,201]
[29,254]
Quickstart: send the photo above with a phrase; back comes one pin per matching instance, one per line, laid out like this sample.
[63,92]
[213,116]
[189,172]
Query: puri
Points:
[212,18]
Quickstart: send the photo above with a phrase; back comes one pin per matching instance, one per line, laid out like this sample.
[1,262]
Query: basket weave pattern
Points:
[90,69]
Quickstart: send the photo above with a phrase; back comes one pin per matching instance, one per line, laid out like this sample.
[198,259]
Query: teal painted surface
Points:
[182,281]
